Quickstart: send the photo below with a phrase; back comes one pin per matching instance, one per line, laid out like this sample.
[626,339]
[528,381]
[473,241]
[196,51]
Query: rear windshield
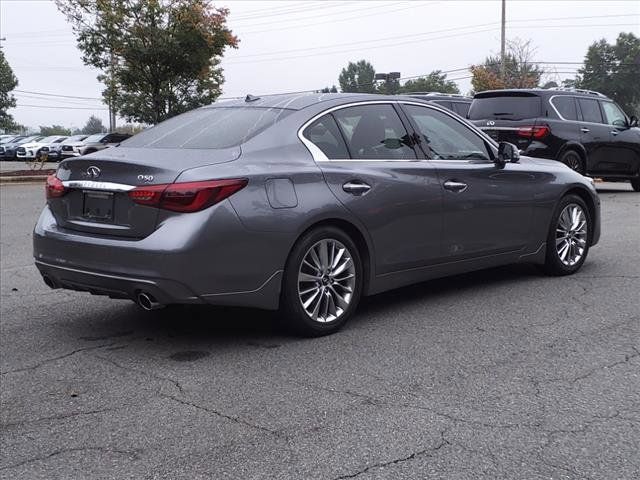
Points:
[507,107]
[215,128]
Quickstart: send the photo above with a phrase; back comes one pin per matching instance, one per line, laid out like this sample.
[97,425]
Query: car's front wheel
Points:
[322,282]
[569,236]
[635,184]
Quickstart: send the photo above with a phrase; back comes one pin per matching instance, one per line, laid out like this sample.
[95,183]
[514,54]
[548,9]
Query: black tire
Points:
[635,184]
[554,265]
[573,160]
[296,317]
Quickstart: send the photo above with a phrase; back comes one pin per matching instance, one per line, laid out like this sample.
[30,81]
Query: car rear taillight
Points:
[537,131]
[187,196]
[54,187]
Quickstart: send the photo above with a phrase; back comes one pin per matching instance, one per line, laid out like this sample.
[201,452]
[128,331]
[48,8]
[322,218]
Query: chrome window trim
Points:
[555,109]
[91,185]
[319,156]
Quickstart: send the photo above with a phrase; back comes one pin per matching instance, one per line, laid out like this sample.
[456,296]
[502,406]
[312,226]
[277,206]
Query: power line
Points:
[63,108]
[46,94]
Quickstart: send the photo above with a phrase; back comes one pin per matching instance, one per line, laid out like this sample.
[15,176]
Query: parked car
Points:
[55,152]
[100,141]
[306,203]
[31,150]
[72,146]
[452,101]
[583,129]
[8,150]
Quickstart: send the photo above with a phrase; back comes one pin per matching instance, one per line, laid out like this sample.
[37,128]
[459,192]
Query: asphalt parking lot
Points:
[496,374]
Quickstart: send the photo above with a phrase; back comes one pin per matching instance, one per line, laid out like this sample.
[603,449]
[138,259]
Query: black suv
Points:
[452,101]
[583,129]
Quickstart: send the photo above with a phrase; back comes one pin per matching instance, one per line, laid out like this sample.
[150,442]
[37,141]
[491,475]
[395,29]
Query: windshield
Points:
[95,138]
[49,139]
[75,138]
[505,107]
[29,139]
[215,128]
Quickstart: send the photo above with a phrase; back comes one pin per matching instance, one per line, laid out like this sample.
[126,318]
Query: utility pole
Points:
[112,113]
[502,40]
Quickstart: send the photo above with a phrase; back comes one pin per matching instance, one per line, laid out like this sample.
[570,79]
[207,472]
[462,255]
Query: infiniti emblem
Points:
[491,122]
[93,172]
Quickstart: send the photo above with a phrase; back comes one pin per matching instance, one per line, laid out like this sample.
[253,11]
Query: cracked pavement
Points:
[499,374]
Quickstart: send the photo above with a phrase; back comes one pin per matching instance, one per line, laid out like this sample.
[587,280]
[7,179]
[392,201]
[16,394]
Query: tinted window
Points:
[613,114]
[508,107]
[324,134]
[590,110]
[461,108]
[446,138]
[219,127]
[374,132]
[566,107]
[443,103]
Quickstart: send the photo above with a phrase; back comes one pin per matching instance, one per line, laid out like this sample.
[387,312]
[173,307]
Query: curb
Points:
[23,179]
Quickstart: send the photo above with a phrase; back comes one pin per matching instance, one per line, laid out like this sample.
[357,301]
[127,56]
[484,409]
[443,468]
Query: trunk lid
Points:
[97,200]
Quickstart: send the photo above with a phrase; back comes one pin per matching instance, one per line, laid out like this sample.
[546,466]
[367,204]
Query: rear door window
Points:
[566,107]
[375,132]
[209,128]
[590,110]
[505,107]
[325,135]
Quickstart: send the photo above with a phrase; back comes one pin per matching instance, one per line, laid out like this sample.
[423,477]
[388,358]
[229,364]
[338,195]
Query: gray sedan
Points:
[306,203]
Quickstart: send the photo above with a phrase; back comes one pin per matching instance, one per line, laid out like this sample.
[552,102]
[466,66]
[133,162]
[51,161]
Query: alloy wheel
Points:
[571,234]
[572,161]
[326,280]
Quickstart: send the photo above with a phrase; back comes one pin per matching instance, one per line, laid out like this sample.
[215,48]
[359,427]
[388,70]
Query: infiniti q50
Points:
[305,203]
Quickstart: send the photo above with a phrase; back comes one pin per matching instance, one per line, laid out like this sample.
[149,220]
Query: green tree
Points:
[159,58]
[358,78]
[333,89]
[93,125]
[54,130]
[519,71]
[436,81]
[8,82]
[614,69]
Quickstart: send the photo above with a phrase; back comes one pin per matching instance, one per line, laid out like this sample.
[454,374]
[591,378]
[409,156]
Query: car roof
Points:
[300,101]
[541,92]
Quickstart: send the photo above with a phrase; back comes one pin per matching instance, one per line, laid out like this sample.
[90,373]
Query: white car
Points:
[30,150]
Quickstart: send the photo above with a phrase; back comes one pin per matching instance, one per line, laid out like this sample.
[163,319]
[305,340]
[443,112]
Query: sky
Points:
[291,45]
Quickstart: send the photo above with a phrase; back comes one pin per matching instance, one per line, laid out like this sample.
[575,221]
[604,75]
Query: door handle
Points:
[356,187]
[614,132]
[455,186]
[584,130]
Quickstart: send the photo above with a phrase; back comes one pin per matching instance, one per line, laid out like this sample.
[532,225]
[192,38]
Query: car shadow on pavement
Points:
[194,324]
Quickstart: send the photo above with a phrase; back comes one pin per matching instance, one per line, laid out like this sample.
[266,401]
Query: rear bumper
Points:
[115,286]
[204,257]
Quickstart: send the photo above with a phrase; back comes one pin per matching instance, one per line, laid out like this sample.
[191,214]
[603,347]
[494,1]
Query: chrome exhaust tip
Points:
[147,302]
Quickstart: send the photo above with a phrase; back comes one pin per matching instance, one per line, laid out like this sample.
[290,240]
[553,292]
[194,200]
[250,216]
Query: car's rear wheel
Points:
[635,184]
[322,282]
[573,160]
[569,236]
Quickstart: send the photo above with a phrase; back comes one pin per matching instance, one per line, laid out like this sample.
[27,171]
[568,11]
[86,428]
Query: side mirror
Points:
[507,152]
[633,121]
